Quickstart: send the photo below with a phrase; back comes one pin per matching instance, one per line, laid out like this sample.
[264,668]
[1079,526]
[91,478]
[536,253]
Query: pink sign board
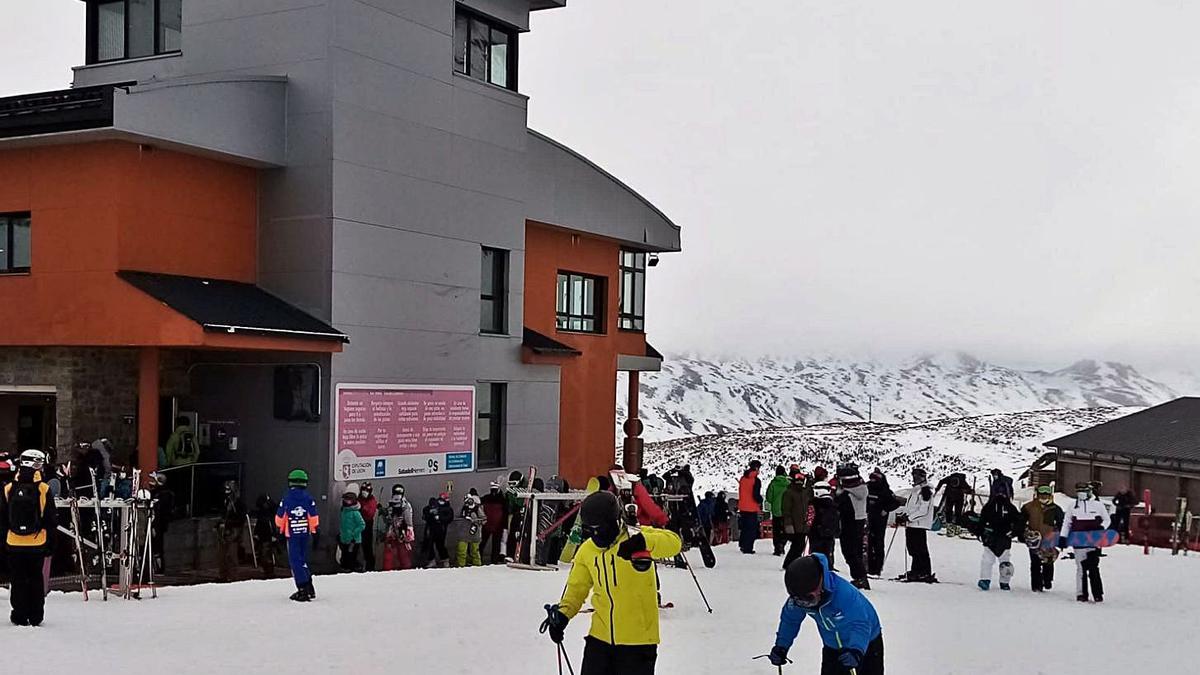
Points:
[396,430]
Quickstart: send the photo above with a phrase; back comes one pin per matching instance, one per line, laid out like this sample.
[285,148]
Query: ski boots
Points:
[1081,598]
[1005,587]
[985,584]
[1046,586]
[861,584]
[300,595]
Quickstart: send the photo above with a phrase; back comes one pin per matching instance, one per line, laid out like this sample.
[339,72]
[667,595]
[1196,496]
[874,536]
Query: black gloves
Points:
[850,658]
[555,623]
[634,550]
[778,656]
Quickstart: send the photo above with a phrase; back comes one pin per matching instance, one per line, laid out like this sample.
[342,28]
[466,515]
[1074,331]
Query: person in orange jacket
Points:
[750,502]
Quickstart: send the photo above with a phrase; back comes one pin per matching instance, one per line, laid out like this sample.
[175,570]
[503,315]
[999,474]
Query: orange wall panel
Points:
[588,391]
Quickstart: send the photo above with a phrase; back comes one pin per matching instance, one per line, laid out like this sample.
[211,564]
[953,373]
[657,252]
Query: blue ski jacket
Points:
[845,620]
[297,514]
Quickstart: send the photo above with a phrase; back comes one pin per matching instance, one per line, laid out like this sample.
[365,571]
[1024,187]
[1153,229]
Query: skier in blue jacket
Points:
[297,520]
[846,620]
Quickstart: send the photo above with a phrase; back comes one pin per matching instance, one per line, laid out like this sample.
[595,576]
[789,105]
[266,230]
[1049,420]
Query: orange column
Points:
[149,363]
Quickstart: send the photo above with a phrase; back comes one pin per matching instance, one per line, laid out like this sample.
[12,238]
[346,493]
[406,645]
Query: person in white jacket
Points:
[917,517]
[1087,515]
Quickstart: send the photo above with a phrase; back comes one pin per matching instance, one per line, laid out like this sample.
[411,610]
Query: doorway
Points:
[27,421]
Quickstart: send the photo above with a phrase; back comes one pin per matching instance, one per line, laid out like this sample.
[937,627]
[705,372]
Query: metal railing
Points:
[174,476]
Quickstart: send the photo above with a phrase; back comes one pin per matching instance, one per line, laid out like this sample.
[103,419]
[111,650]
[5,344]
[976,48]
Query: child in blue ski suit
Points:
[846,620]
[297,519]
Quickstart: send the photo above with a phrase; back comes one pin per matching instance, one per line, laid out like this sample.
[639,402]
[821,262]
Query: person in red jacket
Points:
[495,514]
[368,507]
[750,502]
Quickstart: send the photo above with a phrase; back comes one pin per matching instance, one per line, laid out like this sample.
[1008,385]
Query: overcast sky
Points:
[1019,179]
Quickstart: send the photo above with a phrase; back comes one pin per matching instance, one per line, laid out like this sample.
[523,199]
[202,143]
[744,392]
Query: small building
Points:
[1156,449]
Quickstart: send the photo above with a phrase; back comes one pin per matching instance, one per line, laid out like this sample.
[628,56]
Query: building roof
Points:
[542,344]
[232,307]
[1167,431]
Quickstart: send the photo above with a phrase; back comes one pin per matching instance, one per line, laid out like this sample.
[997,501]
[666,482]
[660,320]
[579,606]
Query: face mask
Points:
[602,535]
[364,494]
[1082,496]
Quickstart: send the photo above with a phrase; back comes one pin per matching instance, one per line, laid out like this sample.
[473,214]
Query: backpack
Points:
[186,447]
[25,509]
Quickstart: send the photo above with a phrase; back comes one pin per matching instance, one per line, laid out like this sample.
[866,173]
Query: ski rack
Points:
[131,551]
[535,497]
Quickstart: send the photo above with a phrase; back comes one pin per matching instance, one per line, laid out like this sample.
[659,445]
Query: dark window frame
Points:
[92,42]
[493,25]
[496,417]
[563,319]
[632,265]
[9,244]
[499,295]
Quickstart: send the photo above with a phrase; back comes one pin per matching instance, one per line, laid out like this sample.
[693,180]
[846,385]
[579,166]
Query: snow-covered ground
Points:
[485,621]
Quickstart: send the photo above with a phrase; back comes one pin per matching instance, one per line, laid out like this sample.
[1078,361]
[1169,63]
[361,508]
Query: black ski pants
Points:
[1088,574]
[954,508]
[778,536]
[749,531]
[823,545]
[26,594]
[876,546]
[1041,573]
[853,543]
[871,664]
[368,545]
[601,658]
[1120,522]
[918,548]
[797,548]
[489,547]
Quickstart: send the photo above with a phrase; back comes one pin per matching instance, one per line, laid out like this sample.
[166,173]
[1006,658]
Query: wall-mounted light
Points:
[652,260]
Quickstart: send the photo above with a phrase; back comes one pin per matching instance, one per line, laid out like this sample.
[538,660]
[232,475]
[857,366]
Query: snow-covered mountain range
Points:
[695,396]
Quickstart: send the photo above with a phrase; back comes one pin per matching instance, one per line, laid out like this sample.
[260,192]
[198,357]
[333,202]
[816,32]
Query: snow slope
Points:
[973,445]
[699,396]
[485,620]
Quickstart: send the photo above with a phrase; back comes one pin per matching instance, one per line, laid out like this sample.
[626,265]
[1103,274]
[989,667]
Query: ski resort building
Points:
[322,233]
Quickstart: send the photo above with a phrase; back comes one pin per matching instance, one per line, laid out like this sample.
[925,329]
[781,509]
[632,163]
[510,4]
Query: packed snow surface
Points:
[485,620]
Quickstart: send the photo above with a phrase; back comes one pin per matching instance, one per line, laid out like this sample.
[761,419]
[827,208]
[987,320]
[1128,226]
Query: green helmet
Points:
[298,477]
[1045,490]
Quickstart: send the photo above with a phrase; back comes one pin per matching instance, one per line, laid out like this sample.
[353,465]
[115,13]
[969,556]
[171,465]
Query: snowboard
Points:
[1093,539]
[1045,544]
[575,538]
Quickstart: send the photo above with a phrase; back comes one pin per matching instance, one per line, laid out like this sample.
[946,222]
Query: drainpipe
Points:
[632,451]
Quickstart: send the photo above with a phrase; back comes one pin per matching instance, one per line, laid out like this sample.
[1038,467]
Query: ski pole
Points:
[895,531]
[250,534]
[563,656]
[702,597]
[767,656]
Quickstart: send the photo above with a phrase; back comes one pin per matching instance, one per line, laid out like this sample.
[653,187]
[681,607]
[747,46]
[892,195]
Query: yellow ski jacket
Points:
[625,600]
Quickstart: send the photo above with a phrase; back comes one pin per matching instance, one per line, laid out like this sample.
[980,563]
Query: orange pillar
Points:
[149,362]
[632,450]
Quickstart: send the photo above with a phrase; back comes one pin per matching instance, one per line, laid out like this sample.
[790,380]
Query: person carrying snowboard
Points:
[1041,520]
[28,521]
[774,503]
[851,634]
[615,566]
[298,520]
[852,506]
[997,524]
[1088,515]
[917,517]
[796,506]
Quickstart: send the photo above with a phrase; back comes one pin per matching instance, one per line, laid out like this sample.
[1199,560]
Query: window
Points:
[493,295]
[490,403]
[580,303]
[632,312]
[15,242]
[485,49]
[129,29]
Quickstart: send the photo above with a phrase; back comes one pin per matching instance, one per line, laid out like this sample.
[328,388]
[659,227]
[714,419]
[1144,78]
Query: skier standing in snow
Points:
[721,516]
[298,520]
[917,517]
[469,533]
[28,521]
[1123,503]
[880,502]
[1088,515]
[615,565]
[796,506]
[775,490]
[369,507]
[1041,519]
[704,513]
[350,533]
[826,525]
[230,551]
[953,498]
[749,505]
[495,512]
[998,522]
[846,621]
[397,531]
[852,506]
[438,516]
[163,499]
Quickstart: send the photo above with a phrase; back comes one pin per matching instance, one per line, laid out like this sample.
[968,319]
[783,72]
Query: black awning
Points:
[541,344]
[234,307]
[51,112]
[652,352]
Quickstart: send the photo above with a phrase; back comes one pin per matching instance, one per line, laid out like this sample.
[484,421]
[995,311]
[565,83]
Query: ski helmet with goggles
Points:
[822,489]
[398,489]
[600,518]
[298,478]
[804,581]
[919,475]
[32,459]
[365,488]
[1045,491]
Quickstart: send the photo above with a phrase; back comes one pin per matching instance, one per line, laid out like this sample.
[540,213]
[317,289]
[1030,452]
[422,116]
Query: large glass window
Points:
[485,49]
[493,296]
[15,242]
[632,312]
[128,29]
[580,303]
[490,403]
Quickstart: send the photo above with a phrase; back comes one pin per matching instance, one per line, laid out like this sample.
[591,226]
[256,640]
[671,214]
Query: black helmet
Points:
[846,470]
[600,518]
[803,580]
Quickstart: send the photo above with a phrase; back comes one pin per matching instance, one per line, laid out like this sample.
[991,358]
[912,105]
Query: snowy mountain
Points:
[698,396]
[973,445]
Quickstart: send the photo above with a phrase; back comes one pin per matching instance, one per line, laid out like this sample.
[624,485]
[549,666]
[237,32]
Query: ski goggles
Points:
[809,601]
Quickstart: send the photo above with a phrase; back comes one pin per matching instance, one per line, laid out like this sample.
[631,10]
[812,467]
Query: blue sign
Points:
[380,468]
[458,461]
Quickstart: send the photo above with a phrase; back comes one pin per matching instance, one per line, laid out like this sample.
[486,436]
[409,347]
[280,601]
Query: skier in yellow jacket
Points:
[616,564]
